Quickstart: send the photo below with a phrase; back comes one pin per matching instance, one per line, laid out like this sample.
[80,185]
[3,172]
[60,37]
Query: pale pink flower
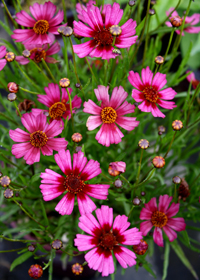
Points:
[118,166]
[193,20]
[58,105]
[148,91]
[161,218]
[39,138]
[42,27]
[2,54]
[74,182]
[106,237]
[191,79]
[110,113]
[98,28]
[38,52]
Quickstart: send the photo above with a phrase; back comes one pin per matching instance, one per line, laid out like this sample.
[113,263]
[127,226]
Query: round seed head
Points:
[5,181]
[117,52]
[161,128]
[77,268]
[176,21]
[143,144]
[77,137]
[176,180]
[13,87]
[31,248]
[35,271]
[177,125]
[67,31]
[57,244]
[158,162]
[10,56]
[131,3]
[11,96]
[77,85]
[118,183]
[136,201]
[26,53]
[143,193]
[115,30]
[8,193]
[64,82]
[159,60]
[152,12]
[141,248]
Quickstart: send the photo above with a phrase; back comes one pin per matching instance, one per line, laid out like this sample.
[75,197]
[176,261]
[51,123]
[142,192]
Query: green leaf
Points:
[166,260]
[35,177]
[121,199]
[148,268]
[140,27]
[20,260]
[6,28]
[178,250]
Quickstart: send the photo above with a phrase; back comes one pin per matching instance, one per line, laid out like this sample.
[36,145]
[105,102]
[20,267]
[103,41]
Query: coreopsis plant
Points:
[99,122]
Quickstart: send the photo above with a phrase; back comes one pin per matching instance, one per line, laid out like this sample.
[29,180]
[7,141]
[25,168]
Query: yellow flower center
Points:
[108,115]
[38,139]
[150,94]
[159,219]
[39,54]
[41,27]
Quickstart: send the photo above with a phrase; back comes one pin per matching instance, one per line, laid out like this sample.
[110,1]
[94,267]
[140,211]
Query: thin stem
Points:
[13,250]
[169,44]
[138,11]
[73,255]
[29,91]
[17,240]
[151,171]
[9,14]
[17,109]
[194,181]
[9,119]
[139,168]
[190,105]
[91,70]
[125,180]
[146,40]
[74,61]
[146,174]
[64,10]
[65,54]
[48,70]
[170,145]
[40,70]
[175,193]
[131,211]
[70,105]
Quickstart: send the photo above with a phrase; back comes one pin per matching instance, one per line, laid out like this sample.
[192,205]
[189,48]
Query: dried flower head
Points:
[136,201]
[77,268]
[13,87]
[67,31]
[57,244]
[26,105]
[10,56]
[158,162]
[177,125]
[64,82]
[35,271]
[118,183]
[77,137]
[183,190]
[31,248]
[143,144]
[176,21]
[141,248]
[26,53]
[5,181]
[115,30]
[8,193]
[176,180]
[11,96]
[159,60]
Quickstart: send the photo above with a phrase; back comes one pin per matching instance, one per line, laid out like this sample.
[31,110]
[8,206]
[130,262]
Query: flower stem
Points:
[70,105]
[169,44]
[48,70]
[91,70]
[9,14]
[65,55]
[74,61]
[125,180]
[28,173]
[146,40]
[139,168]
[64,10]
[170,144]
[17,240]
[29,91]
[40,70]
[17,109]
[13,250]
[9,119]
[190,105]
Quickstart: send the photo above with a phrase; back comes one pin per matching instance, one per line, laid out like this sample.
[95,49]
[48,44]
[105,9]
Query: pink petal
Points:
[134,79]
[128,28]
[125,42]
[177,224]
[91,108]
[2,63]
[164,201]
[63,160]
[145,227]
[18,135]
[57,144]
[105,217]
[79,162]
[170,233]
[66,205]
[53,49]
[166,104]
[155,111]
[113,15]
[93,122]
[85,204]
[84,49]
[173,210]
[157,237]
[151,205]
[84,242]
[57,19]
[137,95]
[33,155]
[121,223]
[2,51]
[82,29]
[102,95]
[124,256]
[52,192]
[97,191]
[125,108]
[159,80]
[109,134]
[132,236]
[22,60]
[118,96]
[19,150]
[167,93]
[147,76]
[145,214]
[127,123]
[89,224]
[91,170]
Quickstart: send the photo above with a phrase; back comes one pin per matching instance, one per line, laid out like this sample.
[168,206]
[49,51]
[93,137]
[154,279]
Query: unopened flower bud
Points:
[116,51]
[13,87]
[177,125]
[141,248]
[77,85]
[132,3]
[176,21]
[118,183]
[8,193]
[64,82]
[11,96]
[159,60]
[5,181]
[60,29]
[161,128]
[115,168]
[10,56]
[143,193]
[152,12]
[153,2]
[77,268]
[158,162]
[35,271]
[143,144]
[31,248]
[176,180]
[115,30]
[77,137]
[26,53]
[67,31]
[136,201]
[57,244]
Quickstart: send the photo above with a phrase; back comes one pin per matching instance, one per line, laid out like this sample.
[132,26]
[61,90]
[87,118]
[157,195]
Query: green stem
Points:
[13,250]
[146,41]
[139,168]
[48,70]
[9,161]
[73,255]
[64,10]
[170,144]
[70,105]
[40,70]
[194,181]
[74,61]
[169,44]
[175,193]
[131,211]
[9,119]
[190,105]
[91,70]
[65,55]
[29,91]
[9,14]
[138,11]
[125,180]
[146,174]
[148,177]
[17,109]
[17,240]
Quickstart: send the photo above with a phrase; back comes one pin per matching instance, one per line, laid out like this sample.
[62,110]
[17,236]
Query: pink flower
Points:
[193,20]
[40,137]
[38,52]
[191,79]
[81,7]
[105,237]
[118,166]
[160,217]
[149,92]
[110,113]
[74,182]
[42,27]
[2,54]
[98,29]
[58,106]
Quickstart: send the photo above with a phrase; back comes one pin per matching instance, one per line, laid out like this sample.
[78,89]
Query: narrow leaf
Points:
[166,260]
[20,260]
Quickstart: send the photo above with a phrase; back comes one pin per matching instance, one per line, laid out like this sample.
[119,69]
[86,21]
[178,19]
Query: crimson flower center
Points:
[150,94]
[73,184]
[39,54]
[159,219]
[108,115]
[57,110]
[38,139]
[108,241]
[104,37]
[41,27]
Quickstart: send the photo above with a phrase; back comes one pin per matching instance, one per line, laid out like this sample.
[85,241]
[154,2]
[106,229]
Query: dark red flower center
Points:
[108,241]
[73,184]
[150,94]
[39,54]
[108,115]
[38,139]
[103,37]
[41,27]
[57,110]
[159,219]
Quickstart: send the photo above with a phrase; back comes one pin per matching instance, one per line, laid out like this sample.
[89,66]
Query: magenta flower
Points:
[193,20]
[149,92]
[98,29]
[40,137]
[42,27]
[191,79]
[118,166]
[110,113]
[81,7]
[105,237]
[74,182]
[58,106]
[38,52]
[2,54]
[160,217]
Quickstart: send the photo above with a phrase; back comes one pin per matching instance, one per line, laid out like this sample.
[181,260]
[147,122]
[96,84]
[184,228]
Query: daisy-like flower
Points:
[74,182]
[191,79]
[58,106]
[81,7]
[161,218]
[110,113]
[106,237]
[149,92]
[40,137]
[191,21]
[42,27]
[2,54]
[98,28]
[38,52]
